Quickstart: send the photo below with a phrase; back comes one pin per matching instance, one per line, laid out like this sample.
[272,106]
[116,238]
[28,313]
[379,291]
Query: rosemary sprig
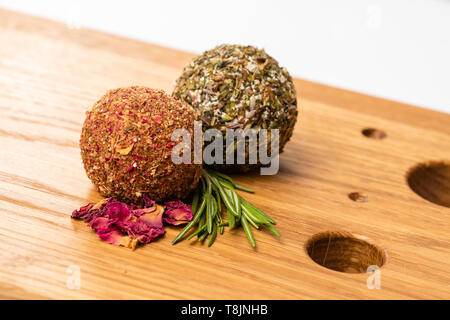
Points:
[214,190]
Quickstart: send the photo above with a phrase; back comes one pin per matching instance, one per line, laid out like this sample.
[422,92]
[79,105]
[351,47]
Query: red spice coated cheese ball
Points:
[126,145]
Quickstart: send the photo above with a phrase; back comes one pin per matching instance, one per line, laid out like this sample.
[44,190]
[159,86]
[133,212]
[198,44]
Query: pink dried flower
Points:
[154,218]
[121,224]
[111,235]
[80,213]
[147,201]
[177,213]
[140,212]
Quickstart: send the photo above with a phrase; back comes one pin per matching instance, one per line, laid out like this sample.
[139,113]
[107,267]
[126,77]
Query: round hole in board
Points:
[373,133]
[345,252]
[431,181]
[358,196]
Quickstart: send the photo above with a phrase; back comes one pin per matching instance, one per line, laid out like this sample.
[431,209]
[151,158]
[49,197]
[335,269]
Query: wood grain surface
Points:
[50,75]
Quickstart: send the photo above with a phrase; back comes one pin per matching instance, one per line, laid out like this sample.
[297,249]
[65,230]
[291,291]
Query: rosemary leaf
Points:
[210,213]
[253,214]
[226,184]
[219,219]
[203,236]
[195,200]
[199,230]
[253,223]
[226,197]
[213,236]
[239,187]
[260,212]
[272,229]
[235,185]
[201,222]
[190,224]
[236,201]
[229,195]
[221,175]
[248,231]
[224,224]
[231,219]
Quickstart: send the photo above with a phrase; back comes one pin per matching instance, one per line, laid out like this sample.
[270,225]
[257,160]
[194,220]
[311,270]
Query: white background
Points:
[397,49]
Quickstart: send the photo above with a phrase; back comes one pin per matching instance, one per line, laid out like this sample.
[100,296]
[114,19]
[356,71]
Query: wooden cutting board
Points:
[50,75]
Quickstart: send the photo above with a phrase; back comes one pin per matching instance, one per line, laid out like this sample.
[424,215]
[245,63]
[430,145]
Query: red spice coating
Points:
[126,145]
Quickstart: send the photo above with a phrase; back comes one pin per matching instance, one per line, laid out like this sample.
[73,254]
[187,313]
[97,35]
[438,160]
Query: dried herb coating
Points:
[126,145]
[240,87]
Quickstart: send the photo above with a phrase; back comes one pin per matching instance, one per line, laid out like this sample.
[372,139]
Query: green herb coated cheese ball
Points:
[126,145]
[240,87]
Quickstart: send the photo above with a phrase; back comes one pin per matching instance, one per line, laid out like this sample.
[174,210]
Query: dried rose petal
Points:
[110,235]
[100,204]
[147,201]
[140,212]
[121,224]
[150,235]
[117,211]
[143,232]
[82,212]
[149,206]
[177,213]
[154,218]
[92,215]
[99,223]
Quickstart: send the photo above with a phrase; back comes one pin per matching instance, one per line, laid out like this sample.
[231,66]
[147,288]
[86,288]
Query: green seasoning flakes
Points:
[240,87]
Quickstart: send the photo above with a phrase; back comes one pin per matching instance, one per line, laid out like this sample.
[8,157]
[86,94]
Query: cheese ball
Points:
[126,145]
[240,87]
